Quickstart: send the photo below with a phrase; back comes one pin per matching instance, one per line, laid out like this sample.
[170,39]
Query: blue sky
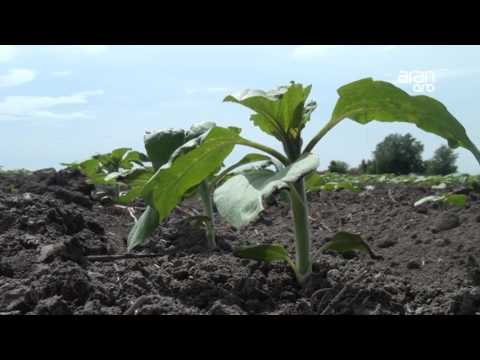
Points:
[65,103]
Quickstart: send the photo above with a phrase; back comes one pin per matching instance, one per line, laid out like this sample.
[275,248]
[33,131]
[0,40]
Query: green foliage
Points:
[459,200]
[339,167]
[399,154]
[345,242]
[443,162]
[240,199]
[186,160]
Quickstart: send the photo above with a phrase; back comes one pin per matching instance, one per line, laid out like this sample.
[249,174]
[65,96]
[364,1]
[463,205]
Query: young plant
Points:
[107,169]
[165,147]
[283,113]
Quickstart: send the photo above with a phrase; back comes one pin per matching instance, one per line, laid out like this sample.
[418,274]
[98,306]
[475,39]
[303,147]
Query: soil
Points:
[51,226]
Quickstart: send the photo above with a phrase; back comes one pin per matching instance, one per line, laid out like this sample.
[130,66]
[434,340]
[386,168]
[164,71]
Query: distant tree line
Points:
[402,155]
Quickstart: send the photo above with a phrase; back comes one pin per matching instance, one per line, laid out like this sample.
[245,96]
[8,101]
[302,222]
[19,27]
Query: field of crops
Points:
[63,251]
[180,230]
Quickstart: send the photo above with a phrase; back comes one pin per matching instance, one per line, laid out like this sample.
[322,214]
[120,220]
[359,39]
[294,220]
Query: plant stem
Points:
[208,211]
[299,204]
[266,149]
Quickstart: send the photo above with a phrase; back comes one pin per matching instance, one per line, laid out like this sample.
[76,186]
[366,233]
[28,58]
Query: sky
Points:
[65,103]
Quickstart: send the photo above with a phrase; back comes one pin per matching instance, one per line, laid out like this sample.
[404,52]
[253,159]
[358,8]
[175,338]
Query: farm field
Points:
[62,252]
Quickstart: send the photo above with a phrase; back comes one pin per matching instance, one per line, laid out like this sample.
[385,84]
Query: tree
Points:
[442,162]
[340,167]
[399,154]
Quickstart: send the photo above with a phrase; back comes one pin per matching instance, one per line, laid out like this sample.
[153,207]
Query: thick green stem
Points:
[208,211]
[302,231]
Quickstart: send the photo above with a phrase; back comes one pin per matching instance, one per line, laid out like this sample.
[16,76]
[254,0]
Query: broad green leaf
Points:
[456,199]
[161,144]
[267,253]
[135,180]
[133,157]
[259,161]
[240,199]
[143,228]
[166,188]
[280,112]
[118,154]
[453,199]
[344,242]
[367,100]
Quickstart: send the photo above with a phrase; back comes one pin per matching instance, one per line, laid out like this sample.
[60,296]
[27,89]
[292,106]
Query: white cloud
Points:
[63,73]
[17,77]
[40,106]
[309,52]
[7,53]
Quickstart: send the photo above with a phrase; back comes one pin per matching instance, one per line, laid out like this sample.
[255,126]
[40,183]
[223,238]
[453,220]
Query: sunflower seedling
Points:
[167,149]
[283,114]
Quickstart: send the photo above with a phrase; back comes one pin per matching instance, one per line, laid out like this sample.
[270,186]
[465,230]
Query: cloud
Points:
[309,52]
[63,73]
[16,107]
[7,53]
[17,77]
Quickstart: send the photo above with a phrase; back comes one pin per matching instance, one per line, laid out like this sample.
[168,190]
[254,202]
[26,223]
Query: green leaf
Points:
[135,180]
[161,144]
[260,161]
[133,157]
[456,199]
[143,228]
[167,187]
[118,154]
[344,242]
[280,112]
[240,199]
[453,199]
[266,253]
[367,100]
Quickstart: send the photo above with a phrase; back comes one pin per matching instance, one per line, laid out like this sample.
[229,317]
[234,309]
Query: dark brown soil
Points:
[50,225]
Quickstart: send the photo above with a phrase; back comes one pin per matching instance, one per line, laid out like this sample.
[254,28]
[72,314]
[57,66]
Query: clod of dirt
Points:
[54,305]
[6,221]
[73,250]
[478,218]
[442,242]
[414,264]
[30,241]
[446,221]
[15,297]
[386,243]
[49,252]
[219,308]
[466,301]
